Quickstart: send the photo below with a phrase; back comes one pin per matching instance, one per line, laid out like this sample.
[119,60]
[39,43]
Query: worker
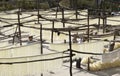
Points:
[78,63]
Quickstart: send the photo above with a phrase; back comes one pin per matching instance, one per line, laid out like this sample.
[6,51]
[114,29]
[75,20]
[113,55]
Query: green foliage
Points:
[6,6]
[110,5]
[65,3]
[87,3]
[80,3]
[44,5]
[24,4]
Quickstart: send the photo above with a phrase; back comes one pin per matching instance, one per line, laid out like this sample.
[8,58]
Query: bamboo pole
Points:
[63,18]
[19,24]
[70,49]
[103,24]
[38,2]
[88,26]
[99,22]
[76,9]
[52,31]
[41,42]
[114,36]
[57,8]
[88,64]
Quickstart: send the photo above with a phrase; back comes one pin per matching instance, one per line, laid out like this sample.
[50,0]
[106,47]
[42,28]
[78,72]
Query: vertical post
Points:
[41,38]
[70,48]
[52,31]
[57,8]
[103,12]
[19,24]
[63,19]
[88,64]
[76,9]
[41,42]
[99,22]
[103,24]
[88,26]
[15,34]
[56,11]
[114,36]
[38,2]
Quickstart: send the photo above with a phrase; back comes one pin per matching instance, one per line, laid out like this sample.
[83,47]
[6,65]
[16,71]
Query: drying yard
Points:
[49,43]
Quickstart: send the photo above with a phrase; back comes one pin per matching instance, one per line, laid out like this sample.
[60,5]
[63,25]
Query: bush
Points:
[44,5]
[6,6]
[65,3]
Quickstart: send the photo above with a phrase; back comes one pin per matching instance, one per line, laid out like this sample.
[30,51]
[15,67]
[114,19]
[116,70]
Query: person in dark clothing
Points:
[78,63]
[112,47]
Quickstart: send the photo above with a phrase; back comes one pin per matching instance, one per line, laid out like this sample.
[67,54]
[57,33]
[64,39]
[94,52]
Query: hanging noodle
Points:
[30,66]
[111,56]
[21,51]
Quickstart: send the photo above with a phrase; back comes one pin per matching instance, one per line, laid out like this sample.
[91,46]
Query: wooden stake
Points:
[115,31]
[63,19]
[38,9]
[52,31]
[19,24]
[41,41]
[70,48]
[103,25]
[57,8]
[76,9]
[88,26]
[88,64]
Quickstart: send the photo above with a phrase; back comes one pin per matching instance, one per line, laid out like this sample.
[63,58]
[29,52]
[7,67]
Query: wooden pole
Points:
[88,64]
[98,7]
[19,24]
[88,30]
[56,11]
[57,8]
[41,39]
[41,42]
[114,36]
[76,9]
[103,24]
[103,17]
[99,22]
[63,19]
[52,31]
[70,48]
[38,2]
[14,35]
